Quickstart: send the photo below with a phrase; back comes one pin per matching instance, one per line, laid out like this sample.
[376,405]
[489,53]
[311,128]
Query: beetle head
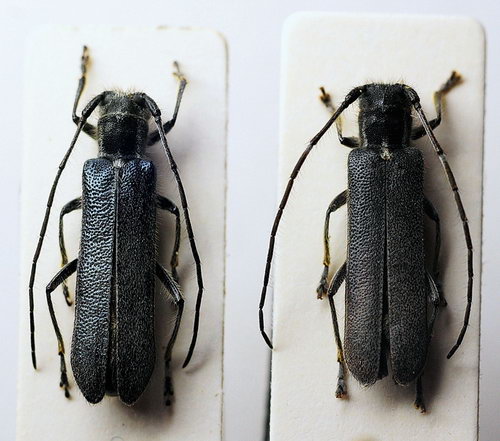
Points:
[122,128]
[385,116]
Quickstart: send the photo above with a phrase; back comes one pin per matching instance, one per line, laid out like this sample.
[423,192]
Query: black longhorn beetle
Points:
[387,283]
[113,346]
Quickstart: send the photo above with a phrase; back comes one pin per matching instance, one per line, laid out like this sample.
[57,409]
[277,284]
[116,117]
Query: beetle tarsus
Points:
[325,97]
[63,383]
[454,79]
[323,283]
[84,60]
[178,74]
[341,391]
[420,405]
[419,399]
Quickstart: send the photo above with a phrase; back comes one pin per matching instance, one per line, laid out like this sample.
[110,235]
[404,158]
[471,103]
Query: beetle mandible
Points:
[387,283]
[113,345]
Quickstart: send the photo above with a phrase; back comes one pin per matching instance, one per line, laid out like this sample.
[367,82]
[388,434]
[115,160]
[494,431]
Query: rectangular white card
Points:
[130,59]
[340,52]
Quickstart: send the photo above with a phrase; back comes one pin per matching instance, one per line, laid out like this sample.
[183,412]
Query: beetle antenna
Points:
[89,108]
[348,100]
[415,100]
[155,111]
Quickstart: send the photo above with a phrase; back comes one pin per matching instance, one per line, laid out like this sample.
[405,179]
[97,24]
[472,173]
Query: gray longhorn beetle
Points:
[113,346]
[387,283]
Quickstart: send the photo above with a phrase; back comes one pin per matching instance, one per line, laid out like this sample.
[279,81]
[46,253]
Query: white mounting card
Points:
[341,52]
[131,59]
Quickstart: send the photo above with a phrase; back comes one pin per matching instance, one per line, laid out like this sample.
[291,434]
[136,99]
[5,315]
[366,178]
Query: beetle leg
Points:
[326,99]
[431,212]
[419,399]
[63,274]
[435,298]
[438,96]
[154,137]
[337,280]
[176,296]
[338,202]
[88,128]
[164,203]
[73,205]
